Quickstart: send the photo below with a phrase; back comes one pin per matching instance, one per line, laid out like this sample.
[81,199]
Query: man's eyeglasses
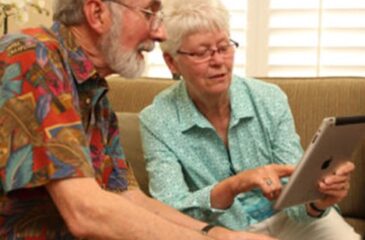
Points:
[226,51]
[153,14]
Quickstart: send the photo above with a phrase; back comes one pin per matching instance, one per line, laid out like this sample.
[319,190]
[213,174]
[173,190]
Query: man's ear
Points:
[98,16]
[170,62]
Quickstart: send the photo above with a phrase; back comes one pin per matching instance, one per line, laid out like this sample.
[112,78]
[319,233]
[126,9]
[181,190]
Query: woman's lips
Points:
[218,76]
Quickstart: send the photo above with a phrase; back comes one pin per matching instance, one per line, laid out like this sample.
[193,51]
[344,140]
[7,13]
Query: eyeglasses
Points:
[226,51]
[154,14]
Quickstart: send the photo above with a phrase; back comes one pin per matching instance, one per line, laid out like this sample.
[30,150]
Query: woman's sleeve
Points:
[167,181]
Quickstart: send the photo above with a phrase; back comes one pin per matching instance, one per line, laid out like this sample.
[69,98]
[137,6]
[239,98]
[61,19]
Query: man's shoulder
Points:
[27,41]
[29,35]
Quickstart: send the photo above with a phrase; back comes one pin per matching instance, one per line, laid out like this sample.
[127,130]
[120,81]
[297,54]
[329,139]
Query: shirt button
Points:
[3,151]
[87,101]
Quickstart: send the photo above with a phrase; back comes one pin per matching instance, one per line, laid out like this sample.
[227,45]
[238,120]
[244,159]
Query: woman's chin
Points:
[219,84]
[218,89]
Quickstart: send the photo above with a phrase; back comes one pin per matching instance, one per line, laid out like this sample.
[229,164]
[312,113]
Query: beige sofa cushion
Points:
[132,146]
[134,95]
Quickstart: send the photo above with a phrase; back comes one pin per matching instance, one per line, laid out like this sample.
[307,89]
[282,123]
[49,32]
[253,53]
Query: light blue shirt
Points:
[185,156]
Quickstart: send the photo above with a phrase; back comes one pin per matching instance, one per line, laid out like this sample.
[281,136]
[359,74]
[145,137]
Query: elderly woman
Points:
[217,146]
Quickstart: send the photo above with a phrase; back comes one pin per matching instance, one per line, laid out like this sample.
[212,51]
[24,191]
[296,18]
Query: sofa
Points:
[311,99]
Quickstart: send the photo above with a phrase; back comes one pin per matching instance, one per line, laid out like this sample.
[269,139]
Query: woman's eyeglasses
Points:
[226,51]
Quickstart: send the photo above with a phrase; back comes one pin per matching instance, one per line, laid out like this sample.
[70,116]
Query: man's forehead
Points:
[152,4]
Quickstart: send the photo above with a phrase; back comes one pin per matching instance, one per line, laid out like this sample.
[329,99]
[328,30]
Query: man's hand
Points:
[220,233]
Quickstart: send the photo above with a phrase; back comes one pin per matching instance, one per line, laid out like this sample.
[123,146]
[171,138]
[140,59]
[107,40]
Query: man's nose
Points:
[159,35]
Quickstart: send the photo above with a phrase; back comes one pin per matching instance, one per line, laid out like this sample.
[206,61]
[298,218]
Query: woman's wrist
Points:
[222,196]
[314,210]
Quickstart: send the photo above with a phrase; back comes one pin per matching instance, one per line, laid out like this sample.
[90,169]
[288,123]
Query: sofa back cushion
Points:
[134,95]
[311,99]
[132,147]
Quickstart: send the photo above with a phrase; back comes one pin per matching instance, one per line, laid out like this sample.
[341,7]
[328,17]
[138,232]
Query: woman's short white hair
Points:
[185,17]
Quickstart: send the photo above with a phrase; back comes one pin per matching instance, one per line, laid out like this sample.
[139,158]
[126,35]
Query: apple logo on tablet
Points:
[326,163]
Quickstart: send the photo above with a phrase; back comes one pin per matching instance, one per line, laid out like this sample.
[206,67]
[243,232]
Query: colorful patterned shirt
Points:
[55,122]
[186,157]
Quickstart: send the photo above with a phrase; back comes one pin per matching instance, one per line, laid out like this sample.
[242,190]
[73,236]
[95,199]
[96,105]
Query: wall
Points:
[35,19]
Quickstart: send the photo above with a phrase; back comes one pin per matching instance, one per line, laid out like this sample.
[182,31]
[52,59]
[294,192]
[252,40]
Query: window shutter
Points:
[316,38]
[238,22]
[343,38]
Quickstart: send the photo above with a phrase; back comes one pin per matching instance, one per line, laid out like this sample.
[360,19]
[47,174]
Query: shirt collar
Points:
[81,66]
[241,101]
[241,105]
[189,114]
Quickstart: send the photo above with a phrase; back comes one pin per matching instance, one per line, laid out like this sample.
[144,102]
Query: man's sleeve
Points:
[41,135]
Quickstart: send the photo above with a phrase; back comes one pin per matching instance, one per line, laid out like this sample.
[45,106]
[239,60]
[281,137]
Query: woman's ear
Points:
[170,62]
[97,15]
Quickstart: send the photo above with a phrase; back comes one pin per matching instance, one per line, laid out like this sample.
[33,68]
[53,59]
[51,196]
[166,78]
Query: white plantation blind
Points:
[238,23]
[293,38]
[316,38]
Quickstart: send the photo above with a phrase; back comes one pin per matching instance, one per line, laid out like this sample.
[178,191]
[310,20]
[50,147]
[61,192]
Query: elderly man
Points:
[62,169]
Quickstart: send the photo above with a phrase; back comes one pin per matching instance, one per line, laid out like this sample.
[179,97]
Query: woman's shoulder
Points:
[257,84]
[163,104]
[258,88]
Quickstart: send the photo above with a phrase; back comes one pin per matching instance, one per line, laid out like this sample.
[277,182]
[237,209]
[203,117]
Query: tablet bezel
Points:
[333,143]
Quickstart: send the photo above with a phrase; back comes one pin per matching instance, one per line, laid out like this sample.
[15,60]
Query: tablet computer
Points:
[333,143]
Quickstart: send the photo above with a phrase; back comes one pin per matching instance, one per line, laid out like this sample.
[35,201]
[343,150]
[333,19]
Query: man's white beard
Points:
[126,63]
